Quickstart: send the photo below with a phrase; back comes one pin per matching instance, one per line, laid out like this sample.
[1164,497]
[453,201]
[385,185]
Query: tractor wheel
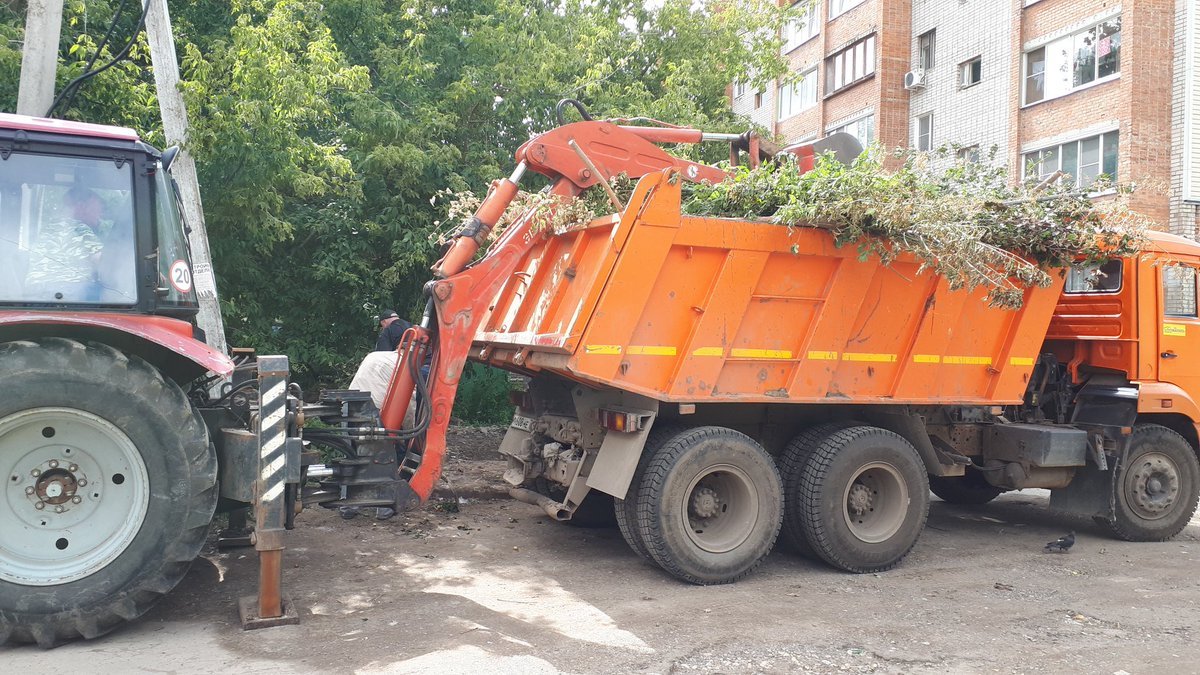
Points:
[1156,485]
[864,497]
[969,489]
[109,485]
[791,466]
[710,505]
[626,509]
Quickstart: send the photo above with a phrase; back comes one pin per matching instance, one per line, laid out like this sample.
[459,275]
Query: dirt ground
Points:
[497,587]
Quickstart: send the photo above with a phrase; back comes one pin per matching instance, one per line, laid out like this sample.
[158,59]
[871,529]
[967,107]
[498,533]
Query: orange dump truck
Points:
[718,381]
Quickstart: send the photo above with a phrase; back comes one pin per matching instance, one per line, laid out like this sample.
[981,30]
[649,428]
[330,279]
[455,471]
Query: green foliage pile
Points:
[323,129]
[967,222]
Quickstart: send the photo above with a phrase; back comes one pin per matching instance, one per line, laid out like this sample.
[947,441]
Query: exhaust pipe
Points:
[555,510]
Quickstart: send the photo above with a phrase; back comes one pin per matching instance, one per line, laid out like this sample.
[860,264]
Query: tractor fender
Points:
[169,344]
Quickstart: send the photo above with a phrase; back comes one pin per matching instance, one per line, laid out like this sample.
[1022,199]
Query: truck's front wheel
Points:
[108,489]
[1157,485]
[710,504]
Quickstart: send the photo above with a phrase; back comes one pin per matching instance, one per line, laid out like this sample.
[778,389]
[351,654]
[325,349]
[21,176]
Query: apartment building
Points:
[1087,87]
[848,74]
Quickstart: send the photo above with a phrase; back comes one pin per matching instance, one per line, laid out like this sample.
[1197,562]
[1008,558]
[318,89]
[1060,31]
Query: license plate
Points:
[522,423]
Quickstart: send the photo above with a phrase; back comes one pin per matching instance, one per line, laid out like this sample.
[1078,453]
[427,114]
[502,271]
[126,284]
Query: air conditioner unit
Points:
[914,79]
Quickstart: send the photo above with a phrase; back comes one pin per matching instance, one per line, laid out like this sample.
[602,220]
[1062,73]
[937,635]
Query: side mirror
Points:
[168,157]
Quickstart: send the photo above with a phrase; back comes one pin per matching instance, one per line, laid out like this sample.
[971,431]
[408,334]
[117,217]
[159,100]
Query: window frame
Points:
[870,114]
[841,59]
[1076,270]
[795,90]
[927,49]
[812,27]
[1195,296]
[1057,153]
[965,69]
[845,6]
[1069,42]
[925,137]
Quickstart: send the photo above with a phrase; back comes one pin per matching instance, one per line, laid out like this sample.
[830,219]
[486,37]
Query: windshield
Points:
[174,259]
[66,230]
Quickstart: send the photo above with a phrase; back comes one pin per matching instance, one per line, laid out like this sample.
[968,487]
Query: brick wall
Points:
[975,115]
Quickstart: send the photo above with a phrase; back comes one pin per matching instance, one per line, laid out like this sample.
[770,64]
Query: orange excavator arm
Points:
[575,157]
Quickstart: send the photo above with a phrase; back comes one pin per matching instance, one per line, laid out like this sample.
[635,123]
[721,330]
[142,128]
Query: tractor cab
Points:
[89,221]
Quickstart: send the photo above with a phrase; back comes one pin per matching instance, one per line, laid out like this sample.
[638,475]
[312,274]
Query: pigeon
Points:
[1062,544]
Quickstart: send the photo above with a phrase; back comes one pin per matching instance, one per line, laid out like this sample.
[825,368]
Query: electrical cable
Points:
[69,91]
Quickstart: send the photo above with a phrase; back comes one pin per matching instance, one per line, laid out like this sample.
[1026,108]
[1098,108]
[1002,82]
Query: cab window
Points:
[66,231]
[1179,291]
[1104,278]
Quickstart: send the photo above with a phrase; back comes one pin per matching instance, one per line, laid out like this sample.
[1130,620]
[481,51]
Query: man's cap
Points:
[388,314]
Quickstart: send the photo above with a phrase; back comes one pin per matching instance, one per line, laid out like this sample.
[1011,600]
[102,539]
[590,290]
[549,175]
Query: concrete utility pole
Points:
[39,57]
[175,124]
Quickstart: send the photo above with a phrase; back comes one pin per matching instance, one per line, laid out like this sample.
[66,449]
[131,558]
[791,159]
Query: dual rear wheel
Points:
[706,504]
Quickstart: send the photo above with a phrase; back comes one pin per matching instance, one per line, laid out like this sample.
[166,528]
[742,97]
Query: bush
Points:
[483,396]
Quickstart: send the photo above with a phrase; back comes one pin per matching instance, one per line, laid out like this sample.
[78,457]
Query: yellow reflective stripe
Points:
[1175,329]
[651,350]
[760,354]
[968,360]
[823,356]
[1021,361]
[875,358]
[709,351]
[926,358]
[602,349]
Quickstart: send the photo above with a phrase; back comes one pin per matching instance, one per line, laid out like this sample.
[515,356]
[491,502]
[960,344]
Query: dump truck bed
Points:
[702,310]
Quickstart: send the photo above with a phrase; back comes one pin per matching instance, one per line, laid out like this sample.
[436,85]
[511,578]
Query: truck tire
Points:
[625,510]
[121,465]
[710,505]
[1156,485]
[791,465]
[863,499]
[969,489]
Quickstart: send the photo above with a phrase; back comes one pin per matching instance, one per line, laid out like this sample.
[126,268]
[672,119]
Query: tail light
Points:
[619,420]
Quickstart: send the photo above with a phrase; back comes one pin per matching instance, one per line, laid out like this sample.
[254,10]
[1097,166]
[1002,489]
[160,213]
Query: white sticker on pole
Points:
[202,276]
[181,276]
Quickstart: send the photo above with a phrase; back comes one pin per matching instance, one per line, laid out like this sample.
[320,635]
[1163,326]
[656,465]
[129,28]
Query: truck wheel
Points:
[791,464]
[710,505]
[626,509]
[863,499]
[970,489]
[1156,485]
[108,489]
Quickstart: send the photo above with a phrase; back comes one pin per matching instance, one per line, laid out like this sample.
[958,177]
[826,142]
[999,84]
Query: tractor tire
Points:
[1156,485]
[109,488]
[969,489]
[791,466]
[863,499]
[625,510]
[710,505]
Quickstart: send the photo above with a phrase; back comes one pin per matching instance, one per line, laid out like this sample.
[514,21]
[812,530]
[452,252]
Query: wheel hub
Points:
[705,503]
[76,494]
[860,499]
[1153,485]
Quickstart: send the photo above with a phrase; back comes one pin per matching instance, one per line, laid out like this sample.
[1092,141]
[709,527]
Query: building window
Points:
[1084,160]
[1073,61]
[970,73]
[849,66]
[758,99]
[1179,290]
[838,7]
[799,95]
[969,154]
[862,129]
[926,44]
[803,28]
[739,88]
[925,132]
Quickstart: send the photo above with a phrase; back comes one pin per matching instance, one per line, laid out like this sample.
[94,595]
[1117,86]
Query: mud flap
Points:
[1090,493]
